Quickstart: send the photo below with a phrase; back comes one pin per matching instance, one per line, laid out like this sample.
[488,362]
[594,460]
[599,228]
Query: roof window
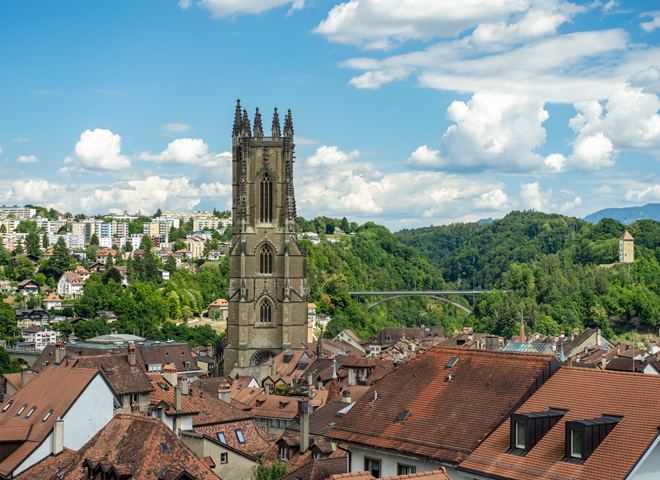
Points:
[30,412]
[584,436]
[221,437]
[21,410]
[239,435]
[403,416]
[164,447]
[6,407]
[452,362]
[46,417]
[527,429]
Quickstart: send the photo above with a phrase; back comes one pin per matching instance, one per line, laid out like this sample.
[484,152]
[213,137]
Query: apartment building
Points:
[210,222]
[20,212]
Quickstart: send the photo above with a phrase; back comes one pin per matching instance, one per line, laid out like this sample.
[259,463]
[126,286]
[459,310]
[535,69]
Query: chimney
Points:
[310,380]
[24,376]
[184,386]
[576,332]
[618,348]
[209,350]
[224,392]
[273,368]
[58,436]
[346,398]
[562,334]
[131,355]
[267,388]
[603,361]
[599,337]
[60,351]
[492,343]
[303,417]
[351,376]
[170,374]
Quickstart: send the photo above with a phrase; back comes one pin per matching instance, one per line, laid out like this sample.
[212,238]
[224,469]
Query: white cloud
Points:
[33,191]
[533,198]
[369,171]
[184,4]
[374,79]
[648,194]
[592,153]
[228,8]
[187,151]
[491,132]
[569,207]
[648,80]
[382,24]
[96,151]
[493,200]
[648,27]
[176,127]
[21,140]
[28,159]
[0,149]
[331,156]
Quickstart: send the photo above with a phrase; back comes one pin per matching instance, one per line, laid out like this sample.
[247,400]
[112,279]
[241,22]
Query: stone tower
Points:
[267,280]
[626,248]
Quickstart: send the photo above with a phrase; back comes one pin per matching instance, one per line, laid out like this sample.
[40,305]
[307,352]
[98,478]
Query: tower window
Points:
[266,199]
[265,312]
[266,260]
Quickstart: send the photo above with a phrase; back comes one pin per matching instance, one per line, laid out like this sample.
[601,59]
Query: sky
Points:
[407,113]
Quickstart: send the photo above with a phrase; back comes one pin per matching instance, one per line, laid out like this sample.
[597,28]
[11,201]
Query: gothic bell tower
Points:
[268,272]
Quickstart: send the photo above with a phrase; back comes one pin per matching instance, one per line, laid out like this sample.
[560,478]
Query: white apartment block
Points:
[73,242]
[10,224]
[20,212]
[210,222]
[156,229]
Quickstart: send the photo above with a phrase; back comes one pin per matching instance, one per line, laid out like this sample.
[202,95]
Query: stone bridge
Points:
[26,356]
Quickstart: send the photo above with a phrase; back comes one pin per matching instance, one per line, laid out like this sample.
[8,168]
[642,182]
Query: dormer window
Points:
[584,436]
[527,429]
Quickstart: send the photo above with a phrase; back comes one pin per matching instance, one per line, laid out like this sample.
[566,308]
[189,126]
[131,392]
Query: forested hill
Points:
[549,265]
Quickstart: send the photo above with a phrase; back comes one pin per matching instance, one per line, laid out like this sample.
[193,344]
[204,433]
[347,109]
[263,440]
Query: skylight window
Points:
[21,410]
[30,412]
[403,416]
[221,437]
[452,362]
[165,449]
[47,415]
[240,437]
[6,407]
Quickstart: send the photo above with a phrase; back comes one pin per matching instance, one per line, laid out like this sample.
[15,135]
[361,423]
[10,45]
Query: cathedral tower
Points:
[267,280]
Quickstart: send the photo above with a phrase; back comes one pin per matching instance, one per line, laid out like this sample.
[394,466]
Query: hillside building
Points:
[267,283]
[626,248]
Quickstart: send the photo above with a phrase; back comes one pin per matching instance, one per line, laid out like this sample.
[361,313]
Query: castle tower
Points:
[267,280]
[626,248]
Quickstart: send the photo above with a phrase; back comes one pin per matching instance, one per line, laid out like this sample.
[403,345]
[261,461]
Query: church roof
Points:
[626,236]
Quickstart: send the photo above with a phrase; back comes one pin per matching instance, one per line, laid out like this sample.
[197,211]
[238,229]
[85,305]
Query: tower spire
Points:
[258,128]
[276,125]
[247,130]
[288,125]
[237,118]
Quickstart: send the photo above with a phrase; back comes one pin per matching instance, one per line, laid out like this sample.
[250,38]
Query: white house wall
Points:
[650,468]
[42,451]
[389,463]
[89,414]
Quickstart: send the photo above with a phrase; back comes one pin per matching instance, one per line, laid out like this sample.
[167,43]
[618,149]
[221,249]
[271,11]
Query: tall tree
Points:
[94,240]
[158,213]
[146,243]
[44,241]
[109,263]
[32,242]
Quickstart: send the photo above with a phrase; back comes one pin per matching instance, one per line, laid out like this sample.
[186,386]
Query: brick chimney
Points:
[58,436]
[273,368]
[603,361]
[131,355]
[576,332]
[170,374]
[351,376]
[303,418]
[184,385]
[60,351]
[224,392]
[24,376]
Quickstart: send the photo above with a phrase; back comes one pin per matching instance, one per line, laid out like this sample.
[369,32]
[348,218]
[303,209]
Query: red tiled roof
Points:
[257,441]
[126,443]
[447,418]
[319,469]
[585,394]
[122,378]
[626,236]
[15,378]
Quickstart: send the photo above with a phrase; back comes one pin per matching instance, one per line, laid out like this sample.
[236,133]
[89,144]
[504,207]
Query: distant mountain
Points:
[649,211]
[486,220]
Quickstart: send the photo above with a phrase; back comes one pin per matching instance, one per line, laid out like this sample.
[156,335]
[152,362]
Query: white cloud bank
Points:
[229,8]
[97,151]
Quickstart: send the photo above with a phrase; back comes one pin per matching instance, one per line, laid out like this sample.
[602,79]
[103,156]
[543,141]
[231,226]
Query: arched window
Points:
[265,313]
[266,199]
[266,260]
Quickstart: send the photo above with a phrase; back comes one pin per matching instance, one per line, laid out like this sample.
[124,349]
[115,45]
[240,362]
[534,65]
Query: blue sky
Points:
[406,112]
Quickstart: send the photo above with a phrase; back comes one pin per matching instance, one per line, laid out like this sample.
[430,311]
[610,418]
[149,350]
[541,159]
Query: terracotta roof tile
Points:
[257,441]
[585,394]
[441,424]
[319,469]
[122,378]
[127,443]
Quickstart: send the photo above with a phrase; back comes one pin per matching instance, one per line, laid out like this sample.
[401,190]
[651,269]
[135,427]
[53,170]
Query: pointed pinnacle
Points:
[276,124]
[258,127]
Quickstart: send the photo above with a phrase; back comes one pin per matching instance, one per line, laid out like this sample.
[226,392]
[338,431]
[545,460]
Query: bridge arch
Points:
[456,304]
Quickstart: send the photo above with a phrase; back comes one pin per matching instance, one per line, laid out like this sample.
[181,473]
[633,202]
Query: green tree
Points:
[186,313]
[345,226]
[23,269]
[65,329]
[25,226]
[146,243]
[6,363]
[170,264]
[262,471]
[45,242]
[109,263]
[8,328]
[4,253]
[60,262]
[207,248]
[32,242]
[158,213]
[94,240]
[3,228]
[128,247]
[179,245]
